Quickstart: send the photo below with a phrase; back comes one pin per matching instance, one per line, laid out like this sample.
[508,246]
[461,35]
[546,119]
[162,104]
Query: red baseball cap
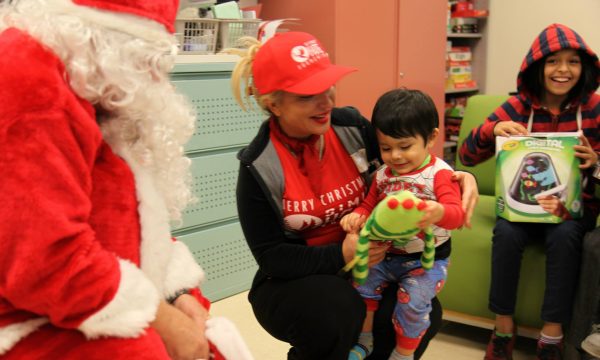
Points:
[295,62]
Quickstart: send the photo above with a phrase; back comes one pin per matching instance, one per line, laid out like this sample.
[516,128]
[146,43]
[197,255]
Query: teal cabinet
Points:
[210,226]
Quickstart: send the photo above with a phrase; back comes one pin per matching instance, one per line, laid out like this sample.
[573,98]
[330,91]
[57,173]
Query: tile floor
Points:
[454,341]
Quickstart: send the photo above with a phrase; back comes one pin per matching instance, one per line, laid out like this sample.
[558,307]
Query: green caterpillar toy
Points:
[394,219]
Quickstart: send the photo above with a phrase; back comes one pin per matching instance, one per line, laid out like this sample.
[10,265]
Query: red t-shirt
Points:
[313,204]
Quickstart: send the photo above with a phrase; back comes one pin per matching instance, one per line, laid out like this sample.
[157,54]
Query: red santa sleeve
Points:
[201,299]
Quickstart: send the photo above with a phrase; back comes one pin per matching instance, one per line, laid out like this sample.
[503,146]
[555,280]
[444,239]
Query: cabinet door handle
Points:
[401,74]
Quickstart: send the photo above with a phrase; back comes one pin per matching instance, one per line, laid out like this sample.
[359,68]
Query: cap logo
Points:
[307,53]
[299,54]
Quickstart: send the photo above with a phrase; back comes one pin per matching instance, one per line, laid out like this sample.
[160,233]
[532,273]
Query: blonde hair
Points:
[126,79]
[242,85]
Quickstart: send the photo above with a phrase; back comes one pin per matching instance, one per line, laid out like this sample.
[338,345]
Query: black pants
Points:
[321,316]
[562,243]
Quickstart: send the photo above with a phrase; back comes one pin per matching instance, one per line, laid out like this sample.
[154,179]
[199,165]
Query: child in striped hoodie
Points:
[556,93]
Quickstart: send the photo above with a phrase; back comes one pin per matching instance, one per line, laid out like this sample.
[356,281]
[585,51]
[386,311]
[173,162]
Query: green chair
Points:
[465,295]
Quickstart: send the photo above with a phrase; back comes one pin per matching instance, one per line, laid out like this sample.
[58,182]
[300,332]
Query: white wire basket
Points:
[231,30]
[196,36]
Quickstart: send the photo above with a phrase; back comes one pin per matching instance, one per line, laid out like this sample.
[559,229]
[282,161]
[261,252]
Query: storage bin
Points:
[230,30]
[196,36]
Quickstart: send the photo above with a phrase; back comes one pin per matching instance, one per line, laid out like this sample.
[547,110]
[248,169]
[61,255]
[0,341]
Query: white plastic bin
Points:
[230,30]
[196,36]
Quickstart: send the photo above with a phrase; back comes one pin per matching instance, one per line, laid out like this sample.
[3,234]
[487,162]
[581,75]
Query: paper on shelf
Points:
[228,10]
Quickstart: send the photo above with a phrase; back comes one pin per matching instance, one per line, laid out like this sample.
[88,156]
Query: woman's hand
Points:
[508,128]
[470,193]
[586,153]
[183,338]
[377,249]
[352,223]
[433,213]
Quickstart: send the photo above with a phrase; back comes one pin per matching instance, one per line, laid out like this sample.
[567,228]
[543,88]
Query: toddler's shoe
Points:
[500,347]
[591,344]
[358,352]
[549,351]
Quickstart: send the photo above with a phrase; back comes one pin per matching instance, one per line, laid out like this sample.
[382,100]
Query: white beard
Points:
[155,125]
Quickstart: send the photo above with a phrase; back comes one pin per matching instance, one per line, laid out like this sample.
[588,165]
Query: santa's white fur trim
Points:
[183,271]
[130,311]
[168,264]
[128,23]
[11,334]
[225,336]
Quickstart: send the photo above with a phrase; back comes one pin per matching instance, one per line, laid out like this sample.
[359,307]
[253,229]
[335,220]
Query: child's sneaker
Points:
[549,351]
[500,347]
[358,352]
[591,344]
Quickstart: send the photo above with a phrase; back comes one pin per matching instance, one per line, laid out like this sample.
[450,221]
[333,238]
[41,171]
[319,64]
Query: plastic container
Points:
[196,36]
[230,31]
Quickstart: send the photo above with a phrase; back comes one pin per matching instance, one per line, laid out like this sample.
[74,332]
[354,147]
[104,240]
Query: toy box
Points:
[534,165]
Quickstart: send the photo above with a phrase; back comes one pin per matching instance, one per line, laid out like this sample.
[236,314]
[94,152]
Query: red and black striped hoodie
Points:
[479,145]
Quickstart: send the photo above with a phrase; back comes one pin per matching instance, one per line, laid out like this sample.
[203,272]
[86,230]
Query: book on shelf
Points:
[459,53]
[460,71]
[459,74]
[471,84]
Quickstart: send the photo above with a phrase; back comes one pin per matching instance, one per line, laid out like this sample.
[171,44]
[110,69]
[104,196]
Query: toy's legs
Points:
[416,289]
[50,342]
[320,315]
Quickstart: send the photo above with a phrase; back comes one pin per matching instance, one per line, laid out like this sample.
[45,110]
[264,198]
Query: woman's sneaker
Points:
[591,344]
[500,347]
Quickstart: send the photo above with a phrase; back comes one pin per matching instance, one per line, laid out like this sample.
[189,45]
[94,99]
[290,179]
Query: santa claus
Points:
[93,173]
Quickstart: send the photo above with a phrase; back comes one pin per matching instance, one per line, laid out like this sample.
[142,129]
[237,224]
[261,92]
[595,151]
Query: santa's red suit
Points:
[85,247]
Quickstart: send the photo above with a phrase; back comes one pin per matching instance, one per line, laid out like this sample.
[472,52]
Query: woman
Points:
[309,165]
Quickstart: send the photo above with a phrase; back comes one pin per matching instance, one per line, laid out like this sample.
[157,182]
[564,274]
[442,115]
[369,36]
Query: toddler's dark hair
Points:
[405,113]
[533,78]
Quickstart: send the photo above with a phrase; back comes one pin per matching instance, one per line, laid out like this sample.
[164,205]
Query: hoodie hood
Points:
[553,38]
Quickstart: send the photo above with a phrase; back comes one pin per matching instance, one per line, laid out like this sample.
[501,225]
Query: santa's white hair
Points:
[126,78]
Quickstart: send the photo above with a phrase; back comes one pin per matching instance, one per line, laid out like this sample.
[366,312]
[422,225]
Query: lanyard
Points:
[530,121]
